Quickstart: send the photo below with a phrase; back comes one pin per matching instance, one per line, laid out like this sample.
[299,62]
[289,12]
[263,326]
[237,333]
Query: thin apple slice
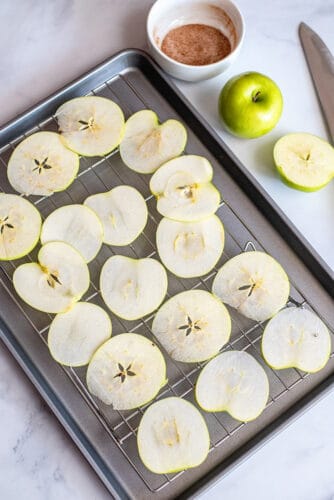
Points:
[20,226]
[55,283]
[233,382]
[127,371]
[190,249]
[192,326]
[296,337]
[76,225]
[172,436]
[91,125]
[146,145]
[133,288]
[123,213]
[254,283]
[184,190]
[41,165]
[75,335]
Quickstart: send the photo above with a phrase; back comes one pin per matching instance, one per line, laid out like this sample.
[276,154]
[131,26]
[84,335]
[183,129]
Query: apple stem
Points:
[256,96]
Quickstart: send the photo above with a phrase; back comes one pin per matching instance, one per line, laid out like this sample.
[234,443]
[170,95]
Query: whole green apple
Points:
[250,105]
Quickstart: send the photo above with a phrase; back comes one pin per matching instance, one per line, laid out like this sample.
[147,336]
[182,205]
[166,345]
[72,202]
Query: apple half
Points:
[41,165]
[147,144]
[296,337]
[127,371]
[192,326]
[190,249]
[123,213]
[172,436]
[75,335]
[91,125]
[56,282]
[20,226]
[254,283]
[233,382]
[184,190]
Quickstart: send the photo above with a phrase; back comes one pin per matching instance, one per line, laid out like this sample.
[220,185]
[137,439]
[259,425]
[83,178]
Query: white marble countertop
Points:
[43,45]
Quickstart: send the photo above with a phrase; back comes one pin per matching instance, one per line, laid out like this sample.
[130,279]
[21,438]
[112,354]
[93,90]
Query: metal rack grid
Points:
[101,175]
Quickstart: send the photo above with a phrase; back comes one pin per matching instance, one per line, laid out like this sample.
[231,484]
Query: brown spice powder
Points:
[196,44]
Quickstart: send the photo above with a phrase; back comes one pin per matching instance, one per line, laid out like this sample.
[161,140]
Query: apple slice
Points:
[75,335]
[20,226]
[296,337]
[233,382]
[41,165]
[55,283]
[172,436]
[254,283]
[76,225]
[91,125]
[127,371]
[304,161]
[133,288]
[146,145]
[192,326]
[184,190]
[123,213]
[190,249]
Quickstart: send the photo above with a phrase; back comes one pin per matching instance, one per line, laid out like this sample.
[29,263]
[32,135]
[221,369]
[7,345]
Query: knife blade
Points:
[321,65]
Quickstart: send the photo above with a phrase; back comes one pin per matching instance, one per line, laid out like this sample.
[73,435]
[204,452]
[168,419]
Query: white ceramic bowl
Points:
[169,14]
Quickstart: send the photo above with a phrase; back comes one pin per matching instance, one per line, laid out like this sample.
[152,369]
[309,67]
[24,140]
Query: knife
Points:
[321,65]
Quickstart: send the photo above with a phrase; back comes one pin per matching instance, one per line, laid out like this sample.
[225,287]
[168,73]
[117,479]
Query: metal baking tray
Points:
[106,437]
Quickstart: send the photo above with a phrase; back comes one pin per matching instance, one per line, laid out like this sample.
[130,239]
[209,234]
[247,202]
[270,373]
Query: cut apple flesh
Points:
[133,288]
[55,283]
[192,326]
[127,371]
[146,145]
[76,225]
[75,335]
[190,249]
[254,283]
[172,436]
[123,213]
[233,382]
[20,226]
[298,338]
[91,126]
[184,190]
[42,165]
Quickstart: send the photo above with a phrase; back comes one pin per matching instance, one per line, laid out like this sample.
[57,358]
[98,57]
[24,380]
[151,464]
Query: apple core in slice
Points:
[146,145]
[127,371]
[296,337]
[254,283]
[192,326]
[233,382]
[172,436]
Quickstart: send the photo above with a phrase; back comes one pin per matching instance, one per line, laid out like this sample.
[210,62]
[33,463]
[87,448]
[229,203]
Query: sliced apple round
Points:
[127,371]
[296,337]
[132,288]
[146,145]
[190,249]
[75,335]
[254,283]
[172,436]
[91,125]
[123,213]
[20,226]
[192,326]
[184,190]
[304,161]
[56,282]
[41,165]
[76,225]
[233,382]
